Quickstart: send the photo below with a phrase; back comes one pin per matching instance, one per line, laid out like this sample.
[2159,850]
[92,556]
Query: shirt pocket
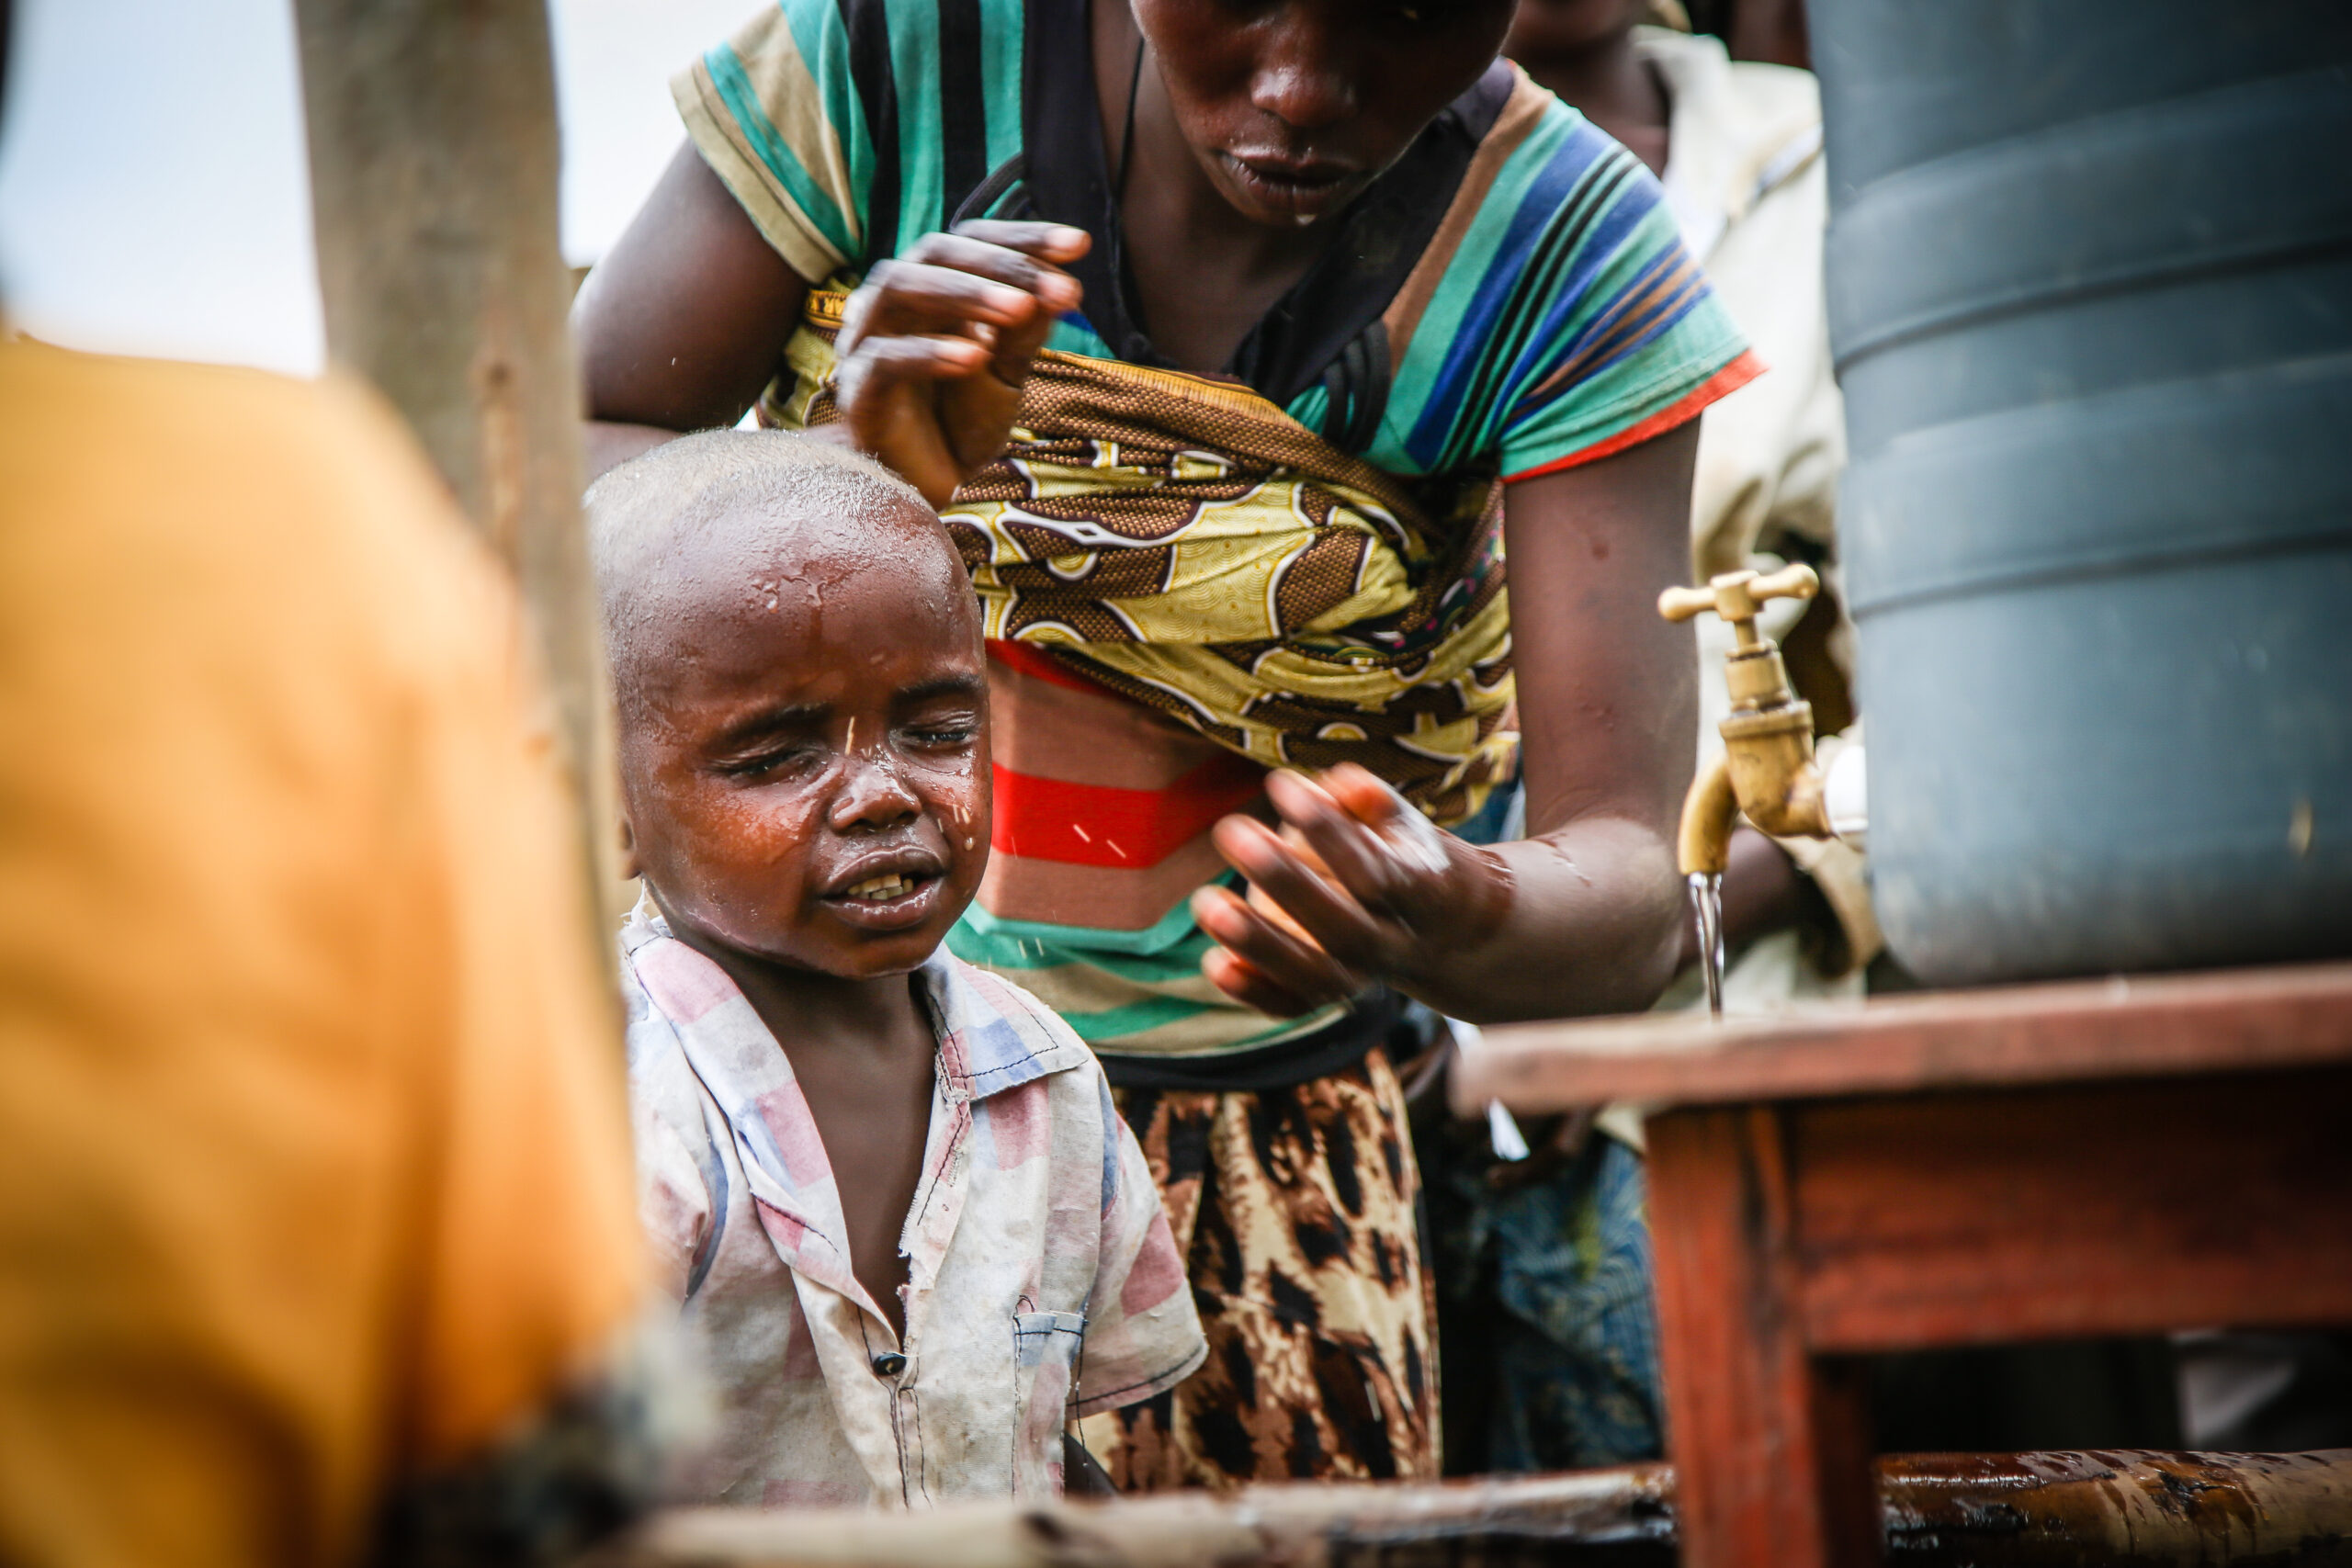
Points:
[1048,1354]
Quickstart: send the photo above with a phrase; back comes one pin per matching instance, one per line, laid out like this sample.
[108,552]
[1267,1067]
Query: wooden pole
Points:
[434,161]
[2045,1510]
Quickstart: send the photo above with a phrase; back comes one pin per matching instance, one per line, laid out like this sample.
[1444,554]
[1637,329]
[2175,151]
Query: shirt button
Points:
[889,1364]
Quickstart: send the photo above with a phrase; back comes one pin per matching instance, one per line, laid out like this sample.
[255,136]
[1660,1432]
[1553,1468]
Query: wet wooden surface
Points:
[2047,1510]
[1950,1169]
[2140,1026]
[1791,1239]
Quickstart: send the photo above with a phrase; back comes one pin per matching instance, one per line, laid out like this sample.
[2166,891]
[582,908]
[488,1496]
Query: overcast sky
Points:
[152,170]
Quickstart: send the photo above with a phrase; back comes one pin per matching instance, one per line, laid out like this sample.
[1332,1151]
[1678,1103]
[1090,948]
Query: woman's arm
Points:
[682,324]
[1583,917]
[1608,708]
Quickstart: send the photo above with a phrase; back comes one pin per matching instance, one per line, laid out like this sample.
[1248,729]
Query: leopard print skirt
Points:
[1296,1211]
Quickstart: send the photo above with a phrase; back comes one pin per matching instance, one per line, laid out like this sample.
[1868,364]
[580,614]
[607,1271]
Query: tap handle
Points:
[1682,603]
[1734,596]
[1797,582]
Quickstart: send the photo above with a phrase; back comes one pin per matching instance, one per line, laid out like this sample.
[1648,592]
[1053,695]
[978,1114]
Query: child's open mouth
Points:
[890,900]
[881,889]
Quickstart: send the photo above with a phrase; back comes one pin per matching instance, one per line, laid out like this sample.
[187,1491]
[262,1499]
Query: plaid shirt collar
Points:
[982,1053]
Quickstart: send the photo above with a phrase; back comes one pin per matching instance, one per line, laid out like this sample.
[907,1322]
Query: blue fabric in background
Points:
[1547,1319]
[1575,1359]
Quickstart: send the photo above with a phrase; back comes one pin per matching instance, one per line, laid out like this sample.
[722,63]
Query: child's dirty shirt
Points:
[1042,1279]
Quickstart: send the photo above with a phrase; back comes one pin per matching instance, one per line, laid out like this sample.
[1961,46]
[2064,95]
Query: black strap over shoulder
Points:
[1355,391]
[1003,186]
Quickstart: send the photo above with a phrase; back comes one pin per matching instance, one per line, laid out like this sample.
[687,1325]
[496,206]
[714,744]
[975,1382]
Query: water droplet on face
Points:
[968,843]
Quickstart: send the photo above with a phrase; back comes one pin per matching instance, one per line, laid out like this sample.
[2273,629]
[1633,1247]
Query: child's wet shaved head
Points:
[716,517]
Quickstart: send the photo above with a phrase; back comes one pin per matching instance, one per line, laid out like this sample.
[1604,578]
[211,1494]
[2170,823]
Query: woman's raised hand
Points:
[935,345]
[1358,887]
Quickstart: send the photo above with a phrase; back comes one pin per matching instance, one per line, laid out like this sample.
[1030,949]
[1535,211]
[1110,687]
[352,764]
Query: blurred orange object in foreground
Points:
[313,1163]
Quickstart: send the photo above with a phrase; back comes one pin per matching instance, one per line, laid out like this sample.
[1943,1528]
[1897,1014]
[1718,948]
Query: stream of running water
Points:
[1707,915]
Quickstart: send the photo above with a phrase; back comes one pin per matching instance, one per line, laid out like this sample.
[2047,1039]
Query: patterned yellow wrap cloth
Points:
[1186,543]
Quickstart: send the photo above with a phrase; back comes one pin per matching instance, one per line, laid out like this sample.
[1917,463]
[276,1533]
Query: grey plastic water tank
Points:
[2090,274]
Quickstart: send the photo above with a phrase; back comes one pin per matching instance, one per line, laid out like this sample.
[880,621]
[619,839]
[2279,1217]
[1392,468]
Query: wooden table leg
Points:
[1771,1445]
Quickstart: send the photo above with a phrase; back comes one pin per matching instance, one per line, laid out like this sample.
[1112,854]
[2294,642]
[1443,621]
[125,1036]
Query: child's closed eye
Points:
[770,762]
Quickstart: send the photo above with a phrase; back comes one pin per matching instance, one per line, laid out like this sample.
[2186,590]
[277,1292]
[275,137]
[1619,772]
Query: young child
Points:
[909,1229]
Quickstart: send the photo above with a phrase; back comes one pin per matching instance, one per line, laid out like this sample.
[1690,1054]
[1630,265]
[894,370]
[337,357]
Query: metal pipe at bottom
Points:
[2117,1508]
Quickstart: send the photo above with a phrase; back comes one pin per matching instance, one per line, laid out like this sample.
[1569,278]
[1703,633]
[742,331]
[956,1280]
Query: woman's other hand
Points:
[935,344]
[1358,886]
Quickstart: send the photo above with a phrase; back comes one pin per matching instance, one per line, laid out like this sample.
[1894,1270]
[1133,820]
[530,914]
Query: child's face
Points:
[805,770]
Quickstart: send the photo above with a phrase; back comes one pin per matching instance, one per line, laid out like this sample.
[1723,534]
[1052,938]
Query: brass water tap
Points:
[1766,768]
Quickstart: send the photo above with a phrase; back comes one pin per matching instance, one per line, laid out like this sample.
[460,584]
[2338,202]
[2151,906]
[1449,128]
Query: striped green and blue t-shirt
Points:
[1510,296]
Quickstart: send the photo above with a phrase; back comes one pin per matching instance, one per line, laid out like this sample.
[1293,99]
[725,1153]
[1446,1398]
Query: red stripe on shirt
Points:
[1029,659]
[1100,825]
[1720,385]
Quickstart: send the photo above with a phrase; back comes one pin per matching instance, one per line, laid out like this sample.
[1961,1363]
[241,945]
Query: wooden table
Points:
[2118,1156]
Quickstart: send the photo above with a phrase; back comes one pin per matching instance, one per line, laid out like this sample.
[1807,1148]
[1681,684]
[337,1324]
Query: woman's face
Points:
[1294,107]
